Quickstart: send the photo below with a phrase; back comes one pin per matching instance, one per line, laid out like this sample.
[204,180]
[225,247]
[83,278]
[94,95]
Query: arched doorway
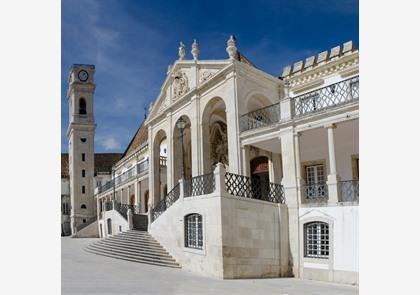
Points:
[187,161]
[132,200]
[215,135]
[146,201]
[260,177]
[159,166]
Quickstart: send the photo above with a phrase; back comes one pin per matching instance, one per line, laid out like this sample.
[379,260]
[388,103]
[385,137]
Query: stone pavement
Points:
[85,273]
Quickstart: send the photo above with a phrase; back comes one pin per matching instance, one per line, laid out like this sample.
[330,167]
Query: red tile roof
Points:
[103,163]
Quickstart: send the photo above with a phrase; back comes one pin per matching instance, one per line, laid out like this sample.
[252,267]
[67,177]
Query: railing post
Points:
[219,180]
[181,189]
[130,219]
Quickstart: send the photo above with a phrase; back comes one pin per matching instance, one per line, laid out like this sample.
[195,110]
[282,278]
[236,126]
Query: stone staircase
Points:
[135,246]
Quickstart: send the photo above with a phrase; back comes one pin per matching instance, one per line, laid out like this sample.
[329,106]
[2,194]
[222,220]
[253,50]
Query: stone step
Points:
[135,243]
[131,259]
[134,254]
[135,239]
[135,247]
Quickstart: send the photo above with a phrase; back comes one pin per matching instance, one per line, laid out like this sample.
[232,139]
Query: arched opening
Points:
[256,102]
[260,177]
[159,165]
[146,201]
[185,162]
[132,200]
[83,206]
[109,226]
[82,106]
[215,135]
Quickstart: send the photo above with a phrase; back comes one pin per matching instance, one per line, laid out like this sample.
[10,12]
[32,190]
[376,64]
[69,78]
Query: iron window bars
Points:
[199,185]
[254,188]
[193,231]
[317,243]
[333,95]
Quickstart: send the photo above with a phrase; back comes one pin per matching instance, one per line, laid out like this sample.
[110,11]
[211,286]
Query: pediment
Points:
[315,213]
[182,77]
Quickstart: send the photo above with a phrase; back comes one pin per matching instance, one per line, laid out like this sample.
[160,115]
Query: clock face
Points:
[83,75]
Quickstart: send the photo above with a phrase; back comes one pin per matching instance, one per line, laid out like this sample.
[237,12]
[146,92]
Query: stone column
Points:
[136,194]
[170,153]
[275,171]
[219,179]
[205,148]
[246,169]
[195,142]
[290,190]
[333,178]
[130,219]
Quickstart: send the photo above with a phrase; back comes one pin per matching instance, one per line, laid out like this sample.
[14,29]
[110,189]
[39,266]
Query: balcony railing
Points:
[317,192]
[162,161]
[262,117]
[137,170]
[166,202]
[199,185]
[349,190]
[254,188]
[330,96]
[123,209]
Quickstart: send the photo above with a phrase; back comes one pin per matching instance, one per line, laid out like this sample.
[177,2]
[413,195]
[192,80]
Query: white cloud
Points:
[110,143]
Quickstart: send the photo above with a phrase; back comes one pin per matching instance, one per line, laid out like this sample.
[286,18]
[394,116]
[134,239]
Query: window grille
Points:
[194,231]
[316,240]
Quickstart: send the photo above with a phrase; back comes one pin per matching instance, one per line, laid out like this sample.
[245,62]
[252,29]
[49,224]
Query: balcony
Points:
[260,118]
[337,94]
[138,170]
[349,190]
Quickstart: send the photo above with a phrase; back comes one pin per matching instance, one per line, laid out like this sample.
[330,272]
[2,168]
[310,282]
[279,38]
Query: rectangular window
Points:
[83,189]
[83,157]
[83,173]
[315,181]
[193,231]
[317,240]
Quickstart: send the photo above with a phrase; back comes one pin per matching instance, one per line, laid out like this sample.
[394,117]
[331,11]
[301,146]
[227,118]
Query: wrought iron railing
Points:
[166,202]
[349,190]
[317,192]
[259,118]
[89,221]
[255,188]
[108,206]
[123,208]
[139,169]
[333,95]
[199,185]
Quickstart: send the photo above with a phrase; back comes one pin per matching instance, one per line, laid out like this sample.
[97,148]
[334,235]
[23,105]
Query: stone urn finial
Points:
[181,51]
[194,50]
[231,47]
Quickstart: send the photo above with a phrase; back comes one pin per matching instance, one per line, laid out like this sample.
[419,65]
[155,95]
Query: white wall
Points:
[344,243]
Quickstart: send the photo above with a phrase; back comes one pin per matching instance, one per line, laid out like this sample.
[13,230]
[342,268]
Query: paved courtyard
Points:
[85,273]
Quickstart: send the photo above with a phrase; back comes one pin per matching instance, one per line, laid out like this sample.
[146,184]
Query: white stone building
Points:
[263,181]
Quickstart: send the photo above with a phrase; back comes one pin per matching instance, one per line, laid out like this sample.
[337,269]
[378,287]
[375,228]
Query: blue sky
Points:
[131,43]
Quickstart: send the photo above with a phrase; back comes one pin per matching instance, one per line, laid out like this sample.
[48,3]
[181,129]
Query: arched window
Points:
[317,239]
[82,106]
[83,206]
[193,233]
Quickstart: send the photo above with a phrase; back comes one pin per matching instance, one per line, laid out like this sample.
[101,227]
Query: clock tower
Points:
[80,135]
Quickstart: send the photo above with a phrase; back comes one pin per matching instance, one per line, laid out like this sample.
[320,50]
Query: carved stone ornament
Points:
[180,84]
[205,76]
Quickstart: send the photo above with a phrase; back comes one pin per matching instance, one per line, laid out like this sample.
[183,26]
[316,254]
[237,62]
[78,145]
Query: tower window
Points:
[82,106]
[83,173]
[83,157]
[83,139]
[83,189]
[83,206]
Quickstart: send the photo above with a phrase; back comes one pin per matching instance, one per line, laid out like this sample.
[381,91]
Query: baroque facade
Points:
[240,174]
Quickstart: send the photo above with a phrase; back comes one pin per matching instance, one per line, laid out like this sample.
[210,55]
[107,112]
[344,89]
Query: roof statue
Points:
[181,51]
[194,50]
[231,48]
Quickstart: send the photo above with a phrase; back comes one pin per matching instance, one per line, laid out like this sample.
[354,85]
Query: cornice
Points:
[316,73]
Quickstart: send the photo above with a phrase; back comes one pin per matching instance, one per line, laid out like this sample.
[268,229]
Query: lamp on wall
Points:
[181,125]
